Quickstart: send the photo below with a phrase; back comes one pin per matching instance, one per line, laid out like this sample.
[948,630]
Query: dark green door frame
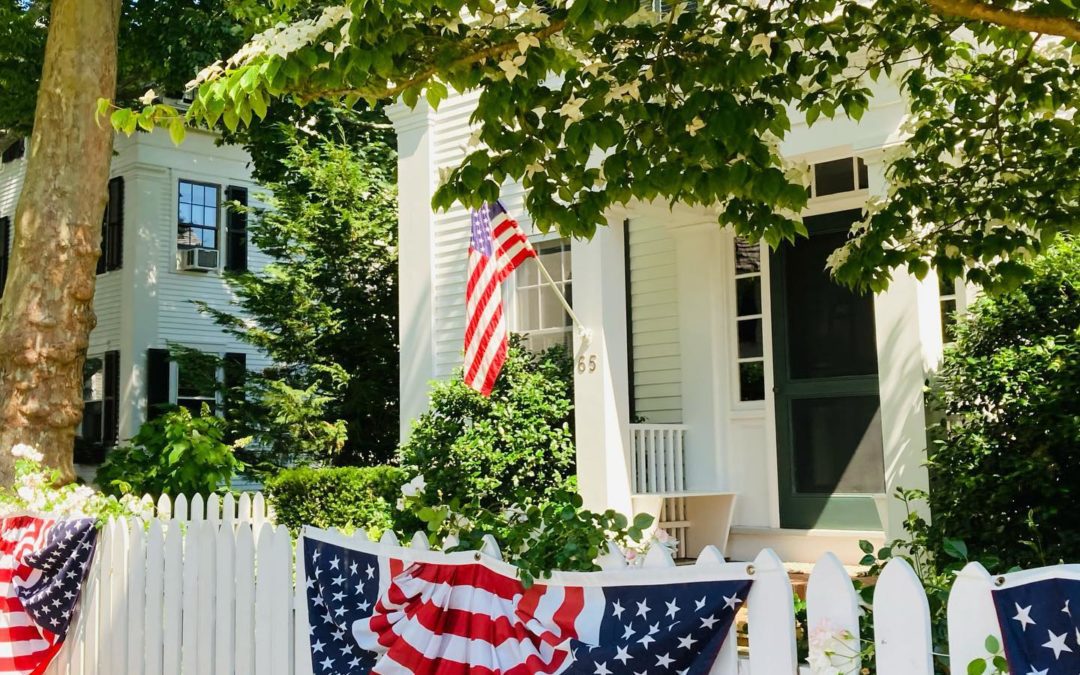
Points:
[826,423]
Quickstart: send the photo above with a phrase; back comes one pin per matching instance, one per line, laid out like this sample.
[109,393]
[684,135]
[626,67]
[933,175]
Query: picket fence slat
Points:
[971,616]
[155,585]
[136,594]
[280,564]
[245,597]
[301,654]
[264,592]
[771,620]
[189,629]
[902,637]
[833,606]
[224,610]
[172,602]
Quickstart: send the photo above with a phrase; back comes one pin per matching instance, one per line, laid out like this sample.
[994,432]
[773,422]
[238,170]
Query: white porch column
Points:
[907,325]
[416,184]
[601,381]
[703,304]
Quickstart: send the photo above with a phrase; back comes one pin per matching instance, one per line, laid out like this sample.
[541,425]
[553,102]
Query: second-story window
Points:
[539,312]
[197,222]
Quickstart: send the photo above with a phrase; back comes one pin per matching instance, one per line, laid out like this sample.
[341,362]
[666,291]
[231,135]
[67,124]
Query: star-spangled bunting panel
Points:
[1040,626]
[43,566]
[371,612]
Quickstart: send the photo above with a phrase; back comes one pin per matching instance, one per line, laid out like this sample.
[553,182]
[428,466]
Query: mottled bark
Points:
[47,313]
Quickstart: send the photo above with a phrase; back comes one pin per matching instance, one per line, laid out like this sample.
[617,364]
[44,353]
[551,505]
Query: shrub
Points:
[494,450]
[1003,467]
[177,453]
[343,497]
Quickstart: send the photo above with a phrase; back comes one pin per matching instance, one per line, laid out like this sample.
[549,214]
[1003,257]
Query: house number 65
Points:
[587,364]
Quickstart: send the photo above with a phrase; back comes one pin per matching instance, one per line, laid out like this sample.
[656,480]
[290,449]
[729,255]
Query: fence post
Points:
[972,616]
[902,638]
[832,616]
[771,609]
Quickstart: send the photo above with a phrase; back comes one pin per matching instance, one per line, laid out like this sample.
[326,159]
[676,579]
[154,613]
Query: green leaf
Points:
[865,546]
[976,667]
[177,130]
[992,645]
[956,549]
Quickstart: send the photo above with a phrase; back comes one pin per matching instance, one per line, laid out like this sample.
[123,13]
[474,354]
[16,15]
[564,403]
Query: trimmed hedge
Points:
[344,497]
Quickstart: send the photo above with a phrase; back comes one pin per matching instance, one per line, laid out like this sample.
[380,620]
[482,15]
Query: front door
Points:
[828,414]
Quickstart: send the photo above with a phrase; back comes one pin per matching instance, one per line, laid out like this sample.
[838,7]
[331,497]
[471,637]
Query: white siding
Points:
[108,304]
[654,308]
[11,180]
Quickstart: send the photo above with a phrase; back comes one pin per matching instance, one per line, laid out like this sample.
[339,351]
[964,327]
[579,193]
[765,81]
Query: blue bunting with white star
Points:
[666,628]
[1040,626]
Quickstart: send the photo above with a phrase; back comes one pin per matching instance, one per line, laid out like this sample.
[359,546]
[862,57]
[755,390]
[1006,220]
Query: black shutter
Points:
[157,382]
[5,250]
[110,423]
[236,250]
[112,229]
[14,151]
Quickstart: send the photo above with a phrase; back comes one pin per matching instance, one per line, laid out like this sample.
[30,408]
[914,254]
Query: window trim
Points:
[174,384]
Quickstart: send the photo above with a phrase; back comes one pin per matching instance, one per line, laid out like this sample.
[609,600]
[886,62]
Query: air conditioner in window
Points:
[199,260]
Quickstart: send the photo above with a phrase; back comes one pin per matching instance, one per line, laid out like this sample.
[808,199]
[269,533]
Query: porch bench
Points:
[696,518]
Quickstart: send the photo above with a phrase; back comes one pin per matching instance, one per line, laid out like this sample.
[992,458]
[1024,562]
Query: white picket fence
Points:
[211,590]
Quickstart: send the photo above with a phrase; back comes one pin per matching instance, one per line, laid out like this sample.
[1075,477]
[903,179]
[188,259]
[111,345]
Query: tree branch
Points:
[1010,18]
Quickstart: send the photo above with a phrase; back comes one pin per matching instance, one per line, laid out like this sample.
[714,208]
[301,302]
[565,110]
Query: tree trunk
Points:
[47,313]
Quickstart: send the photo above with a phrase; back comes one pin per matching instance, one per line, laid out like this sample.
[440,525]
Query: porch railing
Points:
[657,461]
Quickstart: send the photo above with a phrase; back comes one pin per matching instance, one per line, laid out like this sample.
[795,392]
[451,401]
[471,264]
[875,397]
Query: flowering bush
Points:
[37,489]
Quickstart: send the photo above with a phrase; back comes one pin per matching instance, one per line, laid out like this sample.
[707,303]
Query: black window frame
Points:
[236,229]
[5,250]
[112,229]
[181,225]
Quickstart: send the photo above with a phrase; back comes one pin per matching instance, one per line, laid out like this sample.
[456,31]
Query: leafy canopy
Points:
[596,103]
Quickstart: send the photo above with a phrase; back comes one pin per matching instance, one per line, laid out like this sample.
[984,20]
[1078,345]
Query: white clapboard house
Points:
[167,237]
[736,392]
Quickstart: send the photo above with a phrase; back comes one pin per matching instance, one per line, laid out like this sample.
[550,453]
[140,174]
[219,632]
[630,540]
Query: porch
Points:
[695,406]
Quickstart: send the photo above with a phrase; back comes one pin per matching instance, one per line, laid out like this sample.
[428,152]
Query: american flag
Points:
[43,565]
[450,614]
[496,248]
[1040,626]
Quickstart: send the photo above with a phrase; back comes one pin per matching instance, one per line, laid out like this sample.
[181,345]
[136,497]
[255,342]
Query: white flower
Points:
[512,66]
[695,126]
[526,40]
[148,97]
[414,487]
[572,109]
[27,452]
[761,43]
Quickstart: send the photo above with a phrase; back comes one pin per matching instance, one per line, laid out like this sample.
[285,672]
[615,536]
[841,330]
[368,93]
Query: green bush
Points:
[177,453]
[493,450]
[344,497]
[1003,468]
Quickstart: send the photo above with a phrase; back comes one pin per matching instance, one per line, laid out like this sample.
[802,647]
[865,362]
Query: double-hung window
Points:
[99,428]
[198,217]
[197,384]
[540,314]
[749,321]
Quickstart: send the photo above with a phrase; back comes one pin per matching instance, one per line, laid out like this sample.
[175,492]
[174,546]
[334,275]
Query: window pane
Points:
[833,177]
[750,342]
[864,175]
[551,259]
[946,287]
[748,296]
[747,256]
[837,445]
[92,422]
[552,314]
[185,213]
[209,238]
[528,309]
[948,320]
[752,381]
[185,191]
[567,272]
[196,379]
[94,380]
